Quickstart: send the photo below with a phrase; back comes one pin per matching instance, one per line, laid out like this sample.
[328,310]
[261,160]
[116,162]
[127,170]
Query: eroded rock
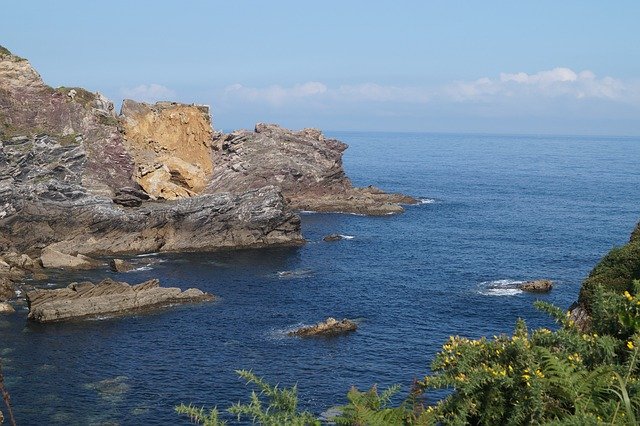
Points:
[328,327]
[85,300]
[332,237]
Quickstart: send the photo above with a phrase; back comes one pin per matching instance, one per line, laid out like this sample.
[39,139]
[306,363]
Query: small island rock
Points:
[329,327]
[332,237]
[537,286]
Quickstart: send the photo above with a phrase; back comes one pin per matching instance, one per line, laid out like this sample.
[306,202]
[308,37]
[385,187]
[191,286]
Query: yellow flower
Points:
[630,344]
[628,296]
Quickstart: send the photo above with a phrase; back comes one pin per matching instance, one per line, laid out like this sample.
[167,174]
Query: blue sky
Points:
[569,67]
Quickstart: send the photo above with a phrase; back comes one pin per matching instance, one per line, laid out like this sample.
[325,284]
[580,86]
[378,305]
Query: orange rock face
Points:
[171,146]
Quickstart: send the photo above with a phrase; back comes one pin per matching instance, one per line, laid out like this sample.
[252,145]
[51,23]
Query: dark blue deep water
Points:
[497,209]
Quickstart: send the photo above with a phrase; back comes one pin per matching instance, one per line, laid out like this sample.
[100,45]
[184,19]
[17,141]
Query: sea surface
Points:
[495,210]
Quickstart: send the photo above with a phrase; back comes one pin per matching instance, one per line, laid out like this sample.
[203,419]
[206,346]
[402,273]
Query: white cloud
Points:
[543,84]
[519,87]
[276,95]
[149,93]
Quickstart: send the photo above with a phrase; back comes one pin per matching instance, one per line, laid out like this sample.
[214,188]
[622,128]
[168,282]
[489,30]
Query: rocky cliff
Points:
[63,162]
[305,165]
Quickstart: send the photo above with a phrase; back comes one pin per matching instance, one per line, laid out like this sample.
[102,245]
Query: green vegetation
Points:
[82,96]
[615,272]
[4,51]
[578,374]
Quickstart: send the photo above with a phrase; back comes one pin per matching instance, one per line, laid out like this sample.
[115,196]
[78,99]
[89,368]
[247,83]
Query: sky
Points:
[541,67]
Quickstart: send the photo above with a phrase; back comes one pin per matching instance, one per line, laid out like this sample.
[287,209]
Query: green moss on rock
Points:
[4,51]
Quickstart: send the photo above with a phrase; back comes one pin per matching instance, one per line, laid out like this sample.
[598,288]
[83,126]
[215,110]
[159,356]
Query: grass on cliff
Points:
[4,51]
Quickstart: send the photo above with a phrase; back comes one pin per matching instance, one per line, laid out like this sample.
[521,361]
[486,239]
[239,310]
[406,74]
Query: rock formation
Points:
[171,147]
[65,180]
[328,327]
[305,165]
[86,300]
[536,286]
[332,237]
[119,265]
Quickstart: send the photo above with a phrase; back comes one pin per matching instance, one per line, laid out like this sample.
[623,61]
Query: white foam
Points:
[141,268]
[347,237]
[426,201]
[505,287]
[148,254]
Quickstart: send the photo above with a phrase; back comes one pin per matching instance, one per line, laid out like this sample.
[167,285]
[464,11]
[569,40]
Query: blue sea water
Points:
[496,210]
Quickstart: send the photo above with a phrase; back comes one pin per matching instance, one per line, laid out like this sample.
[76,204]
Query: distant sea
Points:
[494,211]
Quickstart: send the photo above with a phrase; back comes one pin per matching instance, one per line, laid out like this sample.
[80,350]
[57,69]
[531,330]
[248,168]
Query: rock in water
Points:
[332,237]
[86,300]
[6,308]
[119,265]
[537,286]
[305,165]
[7,289]
[329,327]
[51,258]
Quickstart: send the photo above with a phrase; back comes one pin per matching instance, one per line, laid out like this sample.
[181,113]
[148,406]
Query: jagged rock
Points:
[119,265]
[85,300]
[171,145]
[328,327]
[52,258]
[22,261]
[7,289]
[305,165]
[6,308]
[332,237]
[127,200]
[537,286]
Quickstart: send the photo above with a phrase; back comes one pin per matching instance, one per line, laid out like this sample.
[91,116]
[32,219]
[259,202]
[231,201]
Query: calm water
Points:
[497,209]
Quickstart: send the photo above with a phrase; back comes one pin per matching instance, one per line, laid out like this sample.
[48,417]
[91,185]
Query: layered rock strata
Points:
[305,165]
[87,300]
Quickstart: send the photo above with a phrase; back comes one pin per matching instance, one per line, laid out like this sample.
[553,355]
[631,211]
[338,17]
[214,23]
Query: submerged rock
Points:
[305,165]
[86,300]
[537,286]
[332,237]
[328,327]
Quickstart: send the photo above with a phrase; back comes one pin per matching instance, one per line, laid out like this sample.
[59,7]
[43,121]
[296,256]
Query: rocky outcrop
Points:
[536,286]
[6,308]
[43,203]
[328,327]
[73,116]
[171,147]
[305,165]
[332,237]
[86,300]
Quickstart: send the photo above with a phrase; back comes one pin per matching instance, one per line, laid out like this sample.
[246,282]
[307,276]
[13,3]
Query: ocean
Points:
[495,210]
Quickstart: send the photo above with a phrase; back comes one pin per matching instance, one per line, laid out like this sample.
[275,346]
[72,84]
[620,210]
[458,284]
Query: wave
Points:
[141,268]
[504,287]
[346,237]
[148,254]
[426,200]
[296,273]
